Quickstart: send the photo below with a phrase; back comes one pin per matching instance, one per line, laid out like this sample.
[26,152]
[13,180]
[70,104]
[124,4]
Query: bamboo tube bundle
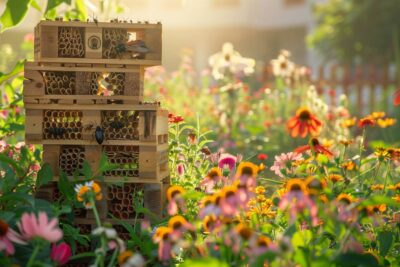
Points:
[110,195]
[70,42]
[112,38]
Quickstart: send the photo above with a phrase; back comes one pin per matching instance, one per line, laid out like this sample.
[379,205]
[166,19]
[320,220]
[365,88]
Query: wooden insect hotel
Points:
[83,96]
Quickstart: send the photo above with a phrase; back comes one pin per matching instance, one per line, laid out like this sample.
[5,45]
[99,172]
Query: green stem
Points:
[386,175]
[113,257]
[99,256]
[33,256]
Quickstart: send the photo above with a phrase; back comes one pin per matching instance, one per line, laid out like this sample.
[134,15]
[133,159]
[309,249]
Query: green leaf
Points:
[44,176]
[376,200]
[301,238]
[14,13]
[65,187]
[12,163]
[19,67]
[209,262]
[81,9]
[322,159]
[36,5]
[54,3]
[87,171]
[385,241]
[355,259]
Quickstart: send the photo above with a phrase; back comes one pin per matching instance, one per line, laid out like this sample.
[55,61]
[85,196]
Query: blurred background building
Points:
[257,28]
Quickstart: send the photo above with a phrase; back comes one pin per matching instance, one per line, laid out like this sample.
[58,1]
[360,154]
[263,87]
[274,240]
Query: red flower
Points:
[174,119]
[61,253]
[304,122]
[366,121]
[396,100]
[315,147]
[262,156]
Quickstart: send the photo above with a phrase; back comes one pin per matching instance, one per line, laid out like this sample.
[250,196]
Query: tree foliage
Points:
[357,30]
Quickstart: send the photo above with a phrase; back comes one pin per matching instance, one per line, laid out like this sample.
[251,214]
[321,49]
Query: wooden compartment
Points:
[102,42]
[74,125]
[132,163]
[82,85]
[119,201]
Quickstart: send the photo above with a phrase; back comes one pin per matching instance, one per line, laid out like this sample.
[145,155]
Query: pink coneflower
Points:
[213,178]
[7,238]
[180,168]
[227,161]
[61,253]
[283,162]
[32,226]
[297,200]
[175,199]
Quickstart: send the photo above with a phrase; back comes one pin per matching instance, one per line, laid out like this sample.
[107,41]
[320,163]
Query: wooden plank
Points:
[102,61]
[93,42]
[93,155]
[85,97]
[33,83]
[90,120]
[94,107]
[33,125]
[48,42]
[123,25]
[91,141]
[120,179]
[29,65]
[51,155]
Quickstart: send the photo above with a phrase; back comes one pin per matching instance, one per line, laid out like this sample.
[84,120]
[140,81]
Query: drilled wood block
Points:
[98,43]
[83,85]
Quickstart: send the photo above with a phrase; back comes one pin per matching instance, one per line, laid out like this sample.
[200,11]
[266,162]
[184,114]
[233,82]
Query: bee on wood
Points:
[88,127]
[117,125]
[57,131]
[137,48]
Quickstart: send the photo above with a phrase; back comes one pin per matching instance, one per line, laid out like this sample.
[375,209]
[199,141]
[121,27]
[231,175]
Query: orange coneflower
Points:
[315,147]
[380,208]
[335,177]
[349,165]
[376,187]
[378,114]
[315,185]
[296,184]
[349,122]
[244,231]
[387,122]
[173,191]
[247,168]
[345,198]
[304,122]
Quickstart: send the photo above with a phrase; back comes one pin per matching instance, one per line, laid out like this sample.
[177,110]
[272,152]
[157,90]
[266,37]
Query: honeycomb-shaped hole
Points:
[113,81]
[59,82]
[120,125]
[120,200]
[62,124]
[71,42]
[125,157]
[71,159]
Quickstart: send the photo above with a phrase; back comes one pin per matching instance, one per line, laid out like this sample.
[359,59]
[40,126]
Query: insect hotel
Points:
[83,97]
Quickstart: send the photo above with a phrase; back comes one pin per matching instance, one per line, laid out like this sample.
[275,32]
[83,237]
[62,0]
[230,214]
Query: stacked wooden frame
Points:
[64,108]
